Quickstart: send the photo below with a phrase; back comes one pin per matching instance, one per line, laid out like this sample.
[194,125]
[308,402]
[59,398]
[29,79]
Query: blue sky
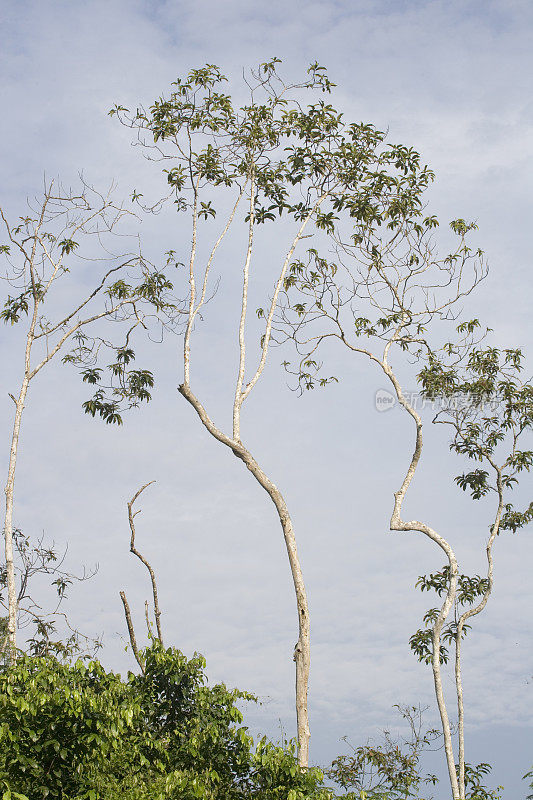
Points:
[453,80]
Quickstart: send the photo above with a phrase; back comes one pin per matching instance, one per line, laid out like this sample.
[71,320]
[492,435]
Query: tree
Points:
[177,701]
[490,412]
[214,147]
[67,227]
[62,725]
[387,292]
[39,559]
[78,732]
[282,159]
[388,770]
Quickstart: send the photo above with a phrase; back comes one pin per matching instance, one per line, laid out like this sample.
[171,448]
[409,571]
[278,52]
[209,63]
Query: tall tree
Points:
[52,243]
[489,407]
[278,158]
[387,292]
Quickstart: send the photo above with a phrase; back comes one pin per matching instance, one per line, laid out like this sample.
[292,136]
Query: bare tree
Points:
[62,232]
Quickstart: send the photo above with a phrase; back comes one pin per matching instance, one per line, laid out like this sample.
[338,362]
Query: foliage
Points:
[301,161]
[33,560]
[78,732]
[389,770]
[276,138]
[60,725]
[468,589]
[473,783]
[490,410]
[529,775]
[65,231]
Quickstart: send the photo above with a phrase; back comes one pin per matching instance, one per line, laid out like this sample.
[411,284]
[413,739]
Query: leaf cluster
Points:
[490,410]
[283,145]
[474,777]
[125,386]
[14,307]
[468,589]
[389,770]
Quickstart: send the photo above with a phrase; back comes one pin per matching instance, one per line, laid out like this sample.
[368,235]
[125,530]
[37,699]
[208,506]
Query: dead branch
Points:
[131,631]
[133,549]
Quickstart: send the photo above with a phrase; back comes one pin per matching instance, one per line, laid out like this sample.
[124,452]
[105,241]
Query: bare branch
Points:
[131,631]
[273,304]
[139,555]
[192,287]
[242,322]
[93,294]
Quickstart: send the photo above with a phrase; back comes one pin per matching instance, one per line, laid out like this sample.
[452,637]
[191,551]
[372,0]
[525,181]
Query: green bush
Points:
[78,732]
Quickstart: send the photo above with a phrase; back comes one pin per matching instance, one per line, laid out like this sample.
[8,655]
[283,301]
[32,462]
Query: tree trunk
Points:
[8,526]
[439,693]
[302,650]
[460,712]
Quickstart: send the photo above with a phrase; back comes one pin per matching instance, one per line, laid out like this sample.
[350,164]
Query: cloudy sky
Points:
[451,79]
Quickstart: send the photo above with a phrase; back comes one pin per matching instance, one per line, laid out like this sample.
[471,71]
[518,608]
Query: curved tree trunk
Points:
[302,649]
[302,652]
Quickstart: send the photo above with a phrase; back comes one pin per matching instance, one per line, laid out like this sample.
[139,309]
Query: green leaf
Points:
[68,246]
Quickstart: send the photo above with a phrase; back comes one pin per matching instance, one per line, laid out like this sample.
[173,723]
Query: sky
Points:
[452,79]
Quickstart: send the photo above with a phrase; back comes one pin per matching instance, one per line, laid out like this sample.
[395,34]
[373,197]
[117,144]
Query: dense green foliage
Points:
[74,731]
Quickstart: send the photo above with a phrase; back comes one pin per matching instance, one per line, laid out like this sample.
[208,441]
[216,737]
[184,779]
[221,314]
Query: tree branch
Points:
[131,632]
[139,555]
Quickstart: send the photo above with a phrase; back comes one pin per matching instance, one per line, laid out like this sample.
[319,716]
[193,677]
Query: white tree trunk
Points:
[8,524]
[398,524]
[472,612]
[302,649]
[439,693]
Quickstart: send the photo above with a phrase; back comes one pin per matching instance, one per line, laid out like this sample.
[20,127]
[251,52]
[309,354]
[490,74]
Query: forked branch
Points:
[133,549]
[157,610]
